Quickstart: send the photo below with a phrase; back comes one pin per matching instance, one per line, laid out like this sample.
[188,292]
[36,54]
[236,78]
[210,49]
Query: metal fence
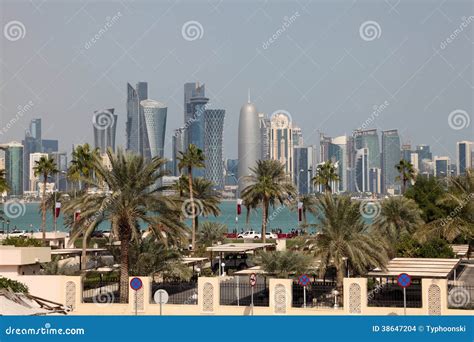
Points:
[101,291]
[179,292]
[318,294]
[240,294]
[461,297]
[391,295]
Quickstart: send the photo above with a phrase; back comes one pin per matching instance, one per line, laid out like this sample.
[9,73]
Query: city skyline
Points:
[330,82]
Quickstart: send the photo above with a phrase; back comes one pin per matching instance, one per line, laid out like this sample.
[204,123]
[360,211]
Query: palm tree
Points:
[407,173]
[133,199]
[284,263]
[325,175]
[207,198]
[268,185]
[3,182]
[44,167]
[192,158]
[398,216]
[211,232]
[344,238]
[459,223]
[81,164]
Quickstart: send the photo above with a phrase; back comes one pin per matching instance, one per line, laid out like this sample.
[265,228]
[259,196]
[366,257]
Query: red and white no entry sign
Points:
[253,279]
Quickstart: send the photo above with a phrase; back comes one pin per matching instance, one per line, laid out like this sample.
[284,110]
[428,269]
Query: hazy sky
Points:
[321,65]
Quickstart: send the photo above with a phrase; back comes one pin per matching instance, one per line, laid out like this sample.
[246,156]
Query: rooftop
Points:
[418,267]
[239,247]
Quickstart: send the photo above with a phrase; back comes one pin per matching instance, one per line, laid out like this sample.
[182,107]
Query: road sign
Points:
[136,283]
[303,280]
[161,297]
[403,280]
[253,279]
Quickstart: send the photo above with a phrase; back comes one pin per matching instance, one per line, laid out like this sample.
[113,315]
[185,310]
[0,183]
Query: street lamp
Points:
[223,269]
[335,293]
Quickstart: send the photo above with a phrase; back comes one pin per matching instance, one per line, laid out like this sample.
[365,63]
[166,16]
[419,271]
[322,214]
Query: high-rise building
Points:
[464,151]
[135,127]
[442,166]
[281,141]
[338,156]
[249,150]
[14,167]
[302,169]
[197,91]
[31,144]
[49,145]
[34,179]
[297,136]
[178,146]
[264,136]
[154,123]
[406,153]
[105,126]
[368,139]
[375,180]
[60,178]
[415,161]
[213,141]
[424,156]
[231,171]
[362,169]
[390,157]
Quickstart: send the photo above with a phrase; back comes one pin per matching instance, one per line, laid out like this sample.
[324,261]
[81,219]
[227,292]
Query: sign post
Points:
[136,284]
[253,282]
[404,280]
[161,297]
[304,280]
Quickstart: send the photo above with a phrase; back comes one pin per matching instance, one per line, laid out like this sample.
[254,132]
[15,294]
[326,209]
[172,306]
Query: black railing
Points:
[179,292]
[461,297]
[240,294]
[391,295]
[101,291]
[318,294]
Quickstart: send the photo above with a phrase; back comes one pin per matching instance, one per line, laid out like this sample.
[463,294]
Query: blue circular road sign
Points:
[136,283]
[304,280]
[404,280]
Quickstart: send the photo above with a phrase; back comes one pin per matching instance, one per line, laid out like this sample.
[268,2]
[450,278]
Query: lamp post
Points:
[223,269]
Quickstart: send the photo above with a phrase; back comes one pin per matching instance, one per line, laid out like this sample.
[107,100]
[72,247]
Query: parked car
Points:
[270,235]
[17,233]
[234,261]
[249,234]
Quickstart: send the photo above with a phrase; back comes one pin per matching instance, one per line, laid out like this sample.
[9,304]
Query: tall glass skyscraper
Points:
[193,90]
[154,123]
[14,167]
[464,150]
[135,127]
[105,127]
[362,170]
[442,167]
[368,139]
[391,155]
[281,141]
[213,141]
[302,169]
[338,156]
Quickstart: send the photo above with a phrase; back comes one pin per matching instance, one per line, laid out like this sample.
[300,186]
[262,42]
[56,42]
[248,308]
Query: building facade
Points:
[14,167]
[214,131]
[105,127]
[464,151]
[281,140]
[135,127]
[154,123]
[391,155]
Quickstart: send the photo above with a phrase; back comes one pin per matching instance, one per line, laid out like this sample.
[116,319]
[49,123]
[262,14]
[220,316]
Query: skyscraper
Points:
[302,169]
[264,136]
[14,167]
[442,166]
[105,126]
[60,158]
[338,156]
[249,150]
[464,150]
[31,144]
[362,170]
[197,91]
[391,155]
[154,127]
[281,141]
[213,140]
[178,146]
[368,139]
[424,155]
[135,127]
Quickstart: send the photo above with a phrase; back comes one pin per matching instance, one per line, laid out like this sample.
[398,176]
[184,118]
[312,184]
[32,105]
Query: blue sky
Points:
[324,69]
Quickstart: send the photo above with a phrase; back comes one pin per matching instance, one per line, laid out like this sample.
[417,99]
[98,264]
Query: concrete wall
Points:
[68,290]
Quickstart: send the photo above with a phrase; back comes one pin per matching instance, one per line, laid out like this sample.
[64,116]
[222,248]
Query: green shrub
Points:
[15,286]
[22,242]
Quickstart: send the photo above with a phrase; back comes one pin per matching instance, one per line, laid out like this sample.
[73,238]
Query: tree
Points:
[189,160]
[133,200]
[407,173]
[44,167]
[211,232]
[268,185]
[427,192]
[284,263]
[459,222]
[3,182]
[325,175]
[81,167]
[13,285]
[206,198]
[344,237]
[398,216]
[409,247]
